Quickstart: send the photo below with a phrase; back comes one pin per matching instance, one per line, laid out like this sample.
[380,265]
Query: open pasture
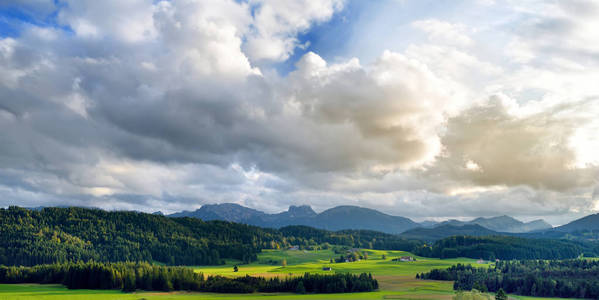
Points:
[58,292]
[396,279]
[314,261]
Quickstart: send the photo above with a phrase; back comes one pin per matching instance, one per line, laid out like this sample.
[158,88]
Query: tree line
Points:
[129,276]
[573,278]
[60,235]
[505,247]
[304,235]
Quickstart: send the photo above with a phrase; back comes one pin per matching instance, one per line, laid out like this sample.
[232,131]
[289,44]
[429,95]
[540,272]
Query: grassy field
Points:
[537,298]
[300,262]
[57,292]
[396,279]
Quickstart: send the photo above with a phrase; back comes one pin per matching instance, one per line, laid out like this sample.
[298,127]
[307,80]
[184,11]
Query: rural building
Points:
[326,268]
[404,258]
[294,248]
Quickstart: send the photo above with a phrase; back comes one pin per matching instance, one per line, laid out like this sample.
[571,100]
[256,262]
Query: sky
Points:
[423,109]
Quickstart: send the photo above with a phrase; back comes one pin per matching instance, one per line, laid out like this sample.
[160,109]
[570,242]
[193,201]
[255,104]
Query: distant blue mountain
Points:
[588,223]
[354,217]
[337,218]
[502,224]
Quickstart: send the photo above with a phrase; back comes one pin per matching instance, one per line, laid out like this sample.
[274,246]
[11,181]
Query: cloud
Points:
[383,111]
[512,150]
[171,105]
[450,62]
[276,25]
[129,21]
[563,29]
[445,32]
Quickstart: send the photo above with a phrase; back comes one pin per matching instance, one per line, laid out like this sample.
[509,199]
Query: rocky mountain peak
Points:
[301,211]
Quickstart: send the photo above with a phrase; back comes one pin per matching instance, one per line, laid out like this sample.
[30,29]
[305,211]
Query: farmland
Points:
[396,278]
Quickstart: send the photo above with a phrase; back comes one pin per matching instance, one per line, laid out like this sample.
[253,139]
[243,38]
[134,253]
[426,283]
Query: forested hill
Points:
[575,278]
[507,247]
[447,230]
[61,234]
[357,238]
[51,235]
[588,223]
[583,229]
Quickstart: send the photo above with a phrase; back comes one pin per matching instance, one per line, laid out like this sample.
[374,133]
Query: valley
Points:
[299,149]
[396,279]
[232,250]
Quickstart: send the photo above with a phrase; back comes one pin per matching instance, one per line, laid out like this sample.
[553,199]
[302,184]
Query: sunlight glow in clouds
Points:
[473,109]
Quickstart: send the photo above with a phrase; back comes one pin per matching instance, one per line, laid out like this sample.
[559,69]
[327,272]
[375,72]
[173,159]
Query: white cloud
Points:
[130,21]
[389,111]
[162,105]
[444,32]
[512,150]
[277,23]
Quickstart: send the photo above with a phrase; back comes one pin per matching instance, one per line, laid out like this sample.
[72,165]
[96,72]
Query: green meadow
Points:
[300,262]
[396,279]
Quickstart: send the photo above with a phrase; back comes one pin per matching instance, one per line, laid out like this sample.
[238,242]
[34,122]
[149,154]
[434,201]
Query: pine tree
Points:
[128,281]
[501,295]
[300,289]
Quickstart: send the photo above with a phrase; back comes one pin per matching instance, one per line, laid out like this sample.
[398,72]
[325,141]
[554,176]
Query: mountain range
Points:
[588,223]
[336,218]
[501,224]
[583,229]
[354,217]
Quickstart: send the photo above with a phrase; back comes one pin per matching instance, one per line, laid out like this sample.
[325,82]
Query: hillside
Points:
[588,223]
[502,224]
[536,225]
[295,215]
[226,212]
[443,231]
[79,234]
[57,235]
[353,217]
[585,229]
[337,218]
[504,247]
[348,217]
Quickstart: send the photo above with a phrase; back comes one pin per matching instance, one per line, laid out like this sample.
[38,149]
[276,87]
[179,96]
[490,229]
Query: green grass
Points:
[300,262]
[57,292]
[296,257]
[516,297]
[396,279]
